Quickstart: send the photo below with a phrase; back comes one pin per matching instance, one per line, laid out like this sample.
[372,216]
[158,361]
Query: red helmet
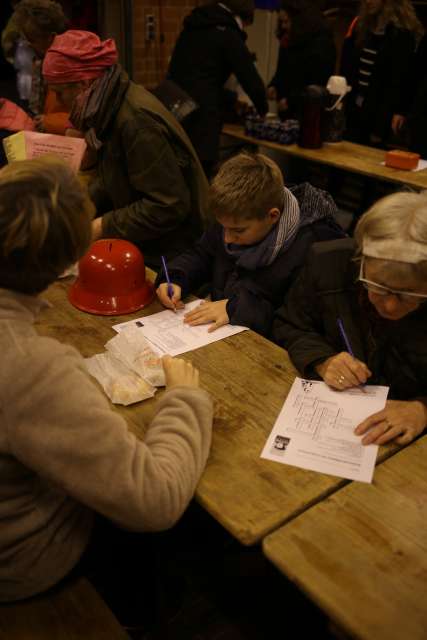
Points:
[111,279]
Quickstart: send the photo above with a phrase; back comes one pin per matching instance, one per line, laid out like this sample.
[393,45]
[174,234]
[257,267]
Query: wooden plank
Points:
[249,378]
[361,555]
[343,155]
[72,611]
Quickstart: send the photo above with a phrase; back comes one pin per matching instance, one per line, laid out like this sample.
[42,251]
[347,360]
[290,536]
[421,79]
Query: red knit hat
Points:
[78,55]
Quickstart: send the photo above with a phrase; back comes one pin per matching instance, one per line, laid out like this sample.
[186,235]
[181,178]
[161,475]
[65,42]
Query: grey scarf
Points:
[276,241]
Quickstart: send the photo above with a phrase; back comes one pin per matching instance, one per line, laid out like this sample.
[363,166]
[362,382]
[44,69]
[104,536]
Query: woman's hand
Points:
[397,123]
[175,301]
[215,312]
[179,373]
[74,133]
[343,371]
[400,420]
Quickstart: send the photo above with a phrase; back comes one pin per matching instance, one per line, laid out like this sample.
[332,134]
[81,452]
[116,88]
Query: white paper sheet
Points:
[314,429]
[169,335]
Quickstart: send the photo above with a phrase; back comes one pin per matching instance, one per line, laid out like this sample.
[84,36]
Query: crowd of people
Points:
[273,258]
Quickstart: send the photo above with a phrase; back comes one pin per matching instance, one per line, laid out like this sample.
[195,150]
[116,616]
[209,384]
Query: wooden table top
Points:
[361,555]
[249,378]
[344,155]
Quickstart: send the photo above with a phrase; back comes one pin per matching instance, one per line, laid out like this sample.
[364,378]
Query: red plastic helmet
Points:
[111,279]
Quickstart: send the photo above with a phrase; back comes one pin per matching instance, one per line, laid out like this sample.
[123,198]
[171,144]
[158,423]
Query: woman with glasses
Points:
[356,315]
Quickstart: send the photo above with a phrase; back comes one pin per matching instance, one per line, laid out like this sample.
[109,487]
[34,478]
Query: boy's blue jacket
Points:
[254,295]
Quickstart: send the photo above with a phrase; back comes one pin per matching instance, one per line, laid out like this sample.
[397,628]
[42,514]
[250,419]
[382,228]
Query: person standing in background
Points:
[307,53]
[210,48]
[38,22]
[376,57]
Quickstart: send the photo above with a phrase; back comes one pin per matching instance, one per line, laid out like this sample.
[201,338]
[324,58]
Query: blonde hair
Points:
[400,216]
[246,187]
[400,13]
[45,223]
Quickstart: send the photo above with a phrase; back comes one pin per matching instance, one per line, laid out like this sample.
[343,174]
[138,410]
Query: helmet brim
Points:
[110,305]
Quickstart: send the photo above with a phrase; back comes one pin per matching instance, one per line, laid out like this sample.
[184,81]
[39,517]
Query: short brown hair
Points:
[246,187]
[45,16]
[45,223]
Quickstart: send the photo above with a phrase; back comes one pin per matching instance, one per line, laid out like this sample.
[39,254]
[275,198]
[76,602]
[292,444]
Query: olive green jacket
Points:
[152,178]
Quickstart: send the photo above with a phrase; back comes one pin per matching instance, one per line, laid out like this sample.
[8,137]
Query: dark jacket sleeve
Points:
[154,172]
[414,82]
[193,268]
[298,325]
[277,79]
[253,304]
[322,63]
[240,62]
[251,307]
[349,60]
[402,48]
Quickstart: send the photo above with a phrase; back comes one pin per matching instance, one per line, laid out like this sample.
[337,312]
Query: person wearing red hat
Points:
[150,185]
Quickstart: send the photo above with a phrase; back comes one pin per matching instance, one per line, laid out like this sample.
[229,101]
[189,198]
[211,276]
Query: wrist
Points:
[320,367]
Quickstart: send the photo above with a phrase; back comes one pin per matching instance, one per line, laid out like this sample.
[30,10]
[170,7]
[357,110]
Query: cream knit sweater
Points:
[64,454]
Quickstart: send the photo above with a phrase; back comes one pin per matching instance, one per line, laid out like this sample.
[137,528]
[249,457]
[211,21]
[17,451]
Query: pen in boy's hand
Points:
[170,287]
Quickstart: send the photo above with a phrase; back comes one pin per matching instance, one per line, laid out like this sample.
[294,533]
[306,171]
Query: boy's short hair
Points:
[45,223]
[246,187]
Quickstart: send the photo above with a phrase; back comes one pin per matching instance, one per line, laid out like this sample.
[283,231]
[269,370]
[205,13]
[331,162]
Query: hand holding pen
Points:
[344,370]
[169,293]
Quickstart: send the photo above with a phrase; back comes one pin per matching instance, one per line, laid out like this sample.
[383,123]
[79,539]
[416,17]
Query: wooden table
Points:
[249,378]
[346,156]
[361,555]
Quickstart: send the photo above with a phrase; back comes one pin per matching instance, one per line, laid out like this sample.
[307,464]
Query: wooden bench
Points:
[73,611]
[361,554]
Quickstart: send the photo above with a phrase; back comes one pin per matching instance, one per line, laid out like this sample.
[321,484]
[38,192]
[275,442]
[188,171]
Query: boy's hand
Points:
[214,312]
[171,303]
[179,373]
[400,420]
[343,371]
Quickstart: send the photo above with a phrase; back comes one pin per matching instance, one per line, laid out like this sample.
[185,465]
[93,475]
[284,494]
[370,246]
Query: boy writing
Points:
[251,255]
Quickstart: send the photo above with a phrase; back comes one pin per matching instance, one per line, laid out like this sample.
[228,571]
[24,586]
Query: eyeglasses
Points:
[379,289]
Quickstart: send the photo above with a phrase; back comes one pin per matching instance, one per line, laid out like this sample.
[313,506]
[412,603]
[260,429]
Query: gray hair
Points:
[394,230]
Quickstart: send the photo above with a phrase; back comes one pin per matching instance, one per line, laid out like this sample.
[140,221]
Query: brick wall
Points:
[150,58]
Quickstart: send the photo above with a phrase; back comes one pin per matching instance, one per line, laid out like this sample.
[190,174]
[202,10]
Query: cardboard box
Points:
[405,160]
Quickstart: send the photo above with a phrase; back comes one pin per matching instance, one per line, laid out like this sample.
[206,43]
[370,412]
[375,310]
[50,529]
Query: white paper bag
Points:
[134,350]
[121,384]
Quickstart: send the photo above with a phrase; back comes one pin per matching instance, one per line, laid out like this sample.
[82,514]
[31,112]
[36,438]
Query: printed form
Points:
[168,334]
[314,429]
